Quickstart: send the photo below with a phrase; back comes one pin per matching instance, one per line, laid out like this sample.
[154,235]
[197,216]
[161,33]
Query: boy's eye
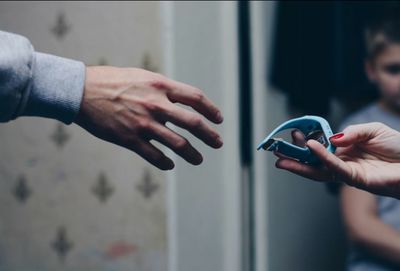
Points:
[392,69]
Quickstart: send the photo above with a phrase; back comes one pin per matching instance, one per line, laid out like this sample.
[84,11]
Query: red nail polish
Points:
[337,136]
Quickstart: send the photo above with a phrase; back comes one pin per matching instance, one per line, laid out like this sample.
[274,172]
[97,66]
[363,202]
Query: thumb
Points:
[331,161]
[355,134]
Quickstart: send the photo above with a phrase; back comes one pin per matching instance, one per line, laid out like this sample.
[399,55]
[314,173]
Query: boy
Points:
[373,222]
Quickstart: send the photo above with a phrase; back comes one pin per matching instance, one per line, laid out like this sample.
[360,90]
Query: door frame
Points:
[218,246]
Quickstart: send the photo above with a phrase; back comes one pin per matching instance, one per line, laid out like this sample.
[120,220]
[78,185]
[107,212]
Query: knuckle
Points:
[143,125]
[376,127]
[151,105]
[379,125]
[349,129]
[376,123]
[155,106]
[198,95]
[181,144]
[336,165]
[196,121]
[159,83]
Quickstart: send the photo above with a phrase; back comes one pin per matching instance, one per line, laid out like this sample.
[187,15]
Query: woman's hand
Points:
[367,157]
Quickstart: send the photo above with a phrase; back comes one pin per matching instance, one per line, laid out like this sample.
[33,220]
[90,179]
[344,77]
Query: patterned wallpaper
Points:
[69,201]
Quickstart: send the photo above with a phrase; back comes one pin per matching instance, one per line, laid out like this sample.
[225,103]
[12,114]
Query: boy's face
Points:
[384,71]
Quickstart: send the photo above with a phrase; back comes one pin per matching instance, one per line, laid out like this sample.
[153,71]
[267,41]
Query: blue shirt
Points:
[37,84]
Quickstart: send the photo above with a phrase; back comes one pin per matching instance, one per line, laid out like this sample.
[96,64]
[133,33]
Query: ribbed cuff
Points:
[57,88]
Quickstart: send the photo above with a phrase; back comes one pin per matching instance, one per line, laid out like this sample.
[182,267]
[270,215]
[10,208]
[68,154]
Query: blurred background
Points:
[69,201]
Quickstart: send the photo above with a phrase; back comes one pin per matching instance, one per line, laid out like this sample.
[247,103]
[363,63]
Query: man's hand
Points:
[130,107]
[367,157]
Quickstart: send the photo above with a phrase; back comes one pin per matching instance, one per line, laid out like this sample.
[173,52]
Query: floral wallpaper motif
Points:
[102,189]
[61,27]
[69,201]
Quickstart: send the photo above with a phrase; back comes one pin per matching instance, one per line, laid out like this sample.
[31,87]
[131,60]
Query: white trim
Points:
[261,27]
[167,29]
[229,227]
[232,185]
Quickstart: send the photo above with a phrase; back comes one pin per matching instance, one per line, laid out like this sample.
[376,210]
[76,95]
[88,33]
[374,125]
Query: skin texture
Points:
[130,107]
[365,228]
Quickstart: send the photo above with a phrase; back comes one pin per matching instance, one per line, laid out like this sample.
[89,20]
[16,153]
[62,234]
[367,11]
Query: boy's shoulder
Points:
[363,115]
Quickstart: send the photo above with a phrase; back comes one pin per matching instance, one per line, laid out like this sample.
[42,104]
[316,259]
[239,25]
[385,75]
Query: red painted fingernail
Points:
[337,136]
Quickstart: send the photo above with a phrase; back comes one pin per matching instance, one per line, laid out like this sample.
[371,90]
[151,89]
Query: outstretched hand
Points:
[129,107]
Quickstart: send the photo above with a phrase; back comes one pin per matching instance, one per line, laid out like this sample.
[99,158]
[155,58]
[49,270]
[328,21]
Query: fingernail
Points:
[219,142]
[169,165]
[220,118]
[337,136]
[199,160]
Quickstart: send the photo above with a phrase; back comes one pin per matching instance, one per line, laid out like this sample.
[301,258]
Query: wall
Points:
[299,224]
[67,200]
[205,201]
[49,172]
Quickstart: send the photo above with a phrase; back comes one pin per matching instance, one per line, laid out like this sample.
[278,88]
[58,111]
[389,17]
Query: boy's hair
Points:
[382,32]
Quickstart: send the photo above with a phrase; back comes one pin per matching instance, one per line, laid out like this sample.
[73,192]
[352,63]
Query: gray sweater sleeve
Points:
[37,84]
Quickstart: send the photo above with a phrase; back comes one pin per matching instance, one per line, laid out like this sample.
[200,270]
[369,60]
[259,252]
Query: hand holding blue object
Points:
[313,127]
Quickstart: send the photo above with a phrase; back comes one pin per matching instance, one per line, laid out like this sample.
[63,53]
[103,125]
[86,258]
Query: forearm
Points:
[364,226]
[36,84]
[378,238]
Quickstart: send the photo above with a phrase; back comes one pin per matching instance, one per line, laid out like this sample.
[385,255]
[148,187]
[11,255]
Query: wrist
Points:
[96,90]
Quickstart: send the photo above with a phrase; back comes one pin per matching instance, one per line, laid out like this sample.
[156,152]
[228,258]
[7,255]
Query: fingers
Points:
[356,133]
[153,155]
[280,155]
[335,167]
[317,174]
[195,98]
[331,161]
[298,138]
[195,124]
[177,143]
